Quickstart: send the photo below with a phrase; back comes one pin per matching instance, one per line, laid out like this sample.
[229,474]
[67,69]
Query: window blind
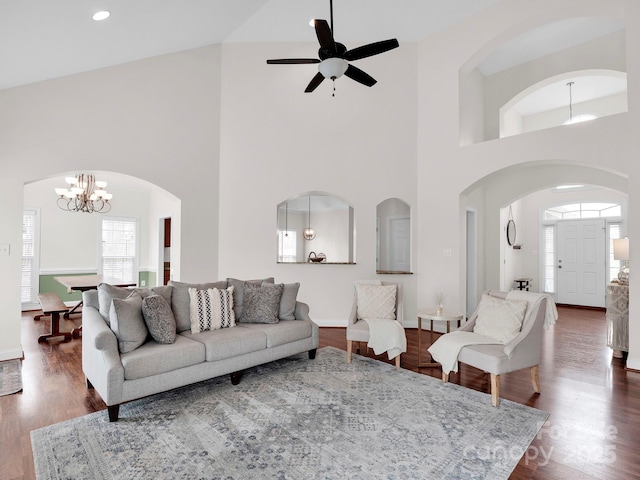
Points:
[119,248]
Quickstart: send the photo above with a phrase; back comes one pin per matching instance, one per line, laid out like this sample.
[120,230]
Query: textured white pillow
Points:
[211,309]
[500,319]
[376,301]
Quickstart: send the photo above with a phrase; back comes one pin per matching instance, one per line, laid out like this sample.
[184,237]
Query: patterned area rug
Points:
[297,419]
[10,376]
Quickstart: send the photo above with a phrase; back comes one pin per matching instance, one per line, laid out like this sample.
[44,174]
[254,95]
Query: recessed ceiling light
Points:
[101,15]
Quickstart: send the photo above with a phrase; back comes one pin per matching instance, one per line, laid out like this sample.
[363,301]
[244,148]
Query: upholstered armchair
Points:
[374,304]
[523,351]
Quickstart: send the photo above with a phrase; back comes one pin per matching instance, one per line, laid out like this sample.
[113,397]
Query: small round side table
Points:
[432,315]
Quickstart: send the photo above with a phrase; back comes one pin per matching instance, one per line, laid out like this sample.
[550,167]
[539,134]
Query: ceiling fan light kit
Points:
[333,68]
[334,56]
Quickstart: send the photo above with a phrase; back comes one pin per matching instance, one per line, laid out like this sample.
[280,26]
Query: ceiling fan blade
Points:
[313,84]
[354,73]
[325,37]
[371,49]
[292,61]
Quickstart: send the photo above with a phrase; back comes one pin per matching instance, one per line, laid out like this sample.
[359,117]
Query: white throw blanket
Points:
[386,336]
[445,349]
[551,312]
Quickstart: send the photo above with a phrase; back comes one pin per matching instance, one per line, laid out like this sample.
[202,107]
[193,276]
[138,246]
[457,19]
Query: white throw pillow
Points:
[500,319]
[376,301]
[211,309]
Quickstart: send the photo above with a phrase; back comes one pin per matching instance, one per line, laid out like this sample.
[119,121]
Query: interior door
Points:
[581,262]
[400,244]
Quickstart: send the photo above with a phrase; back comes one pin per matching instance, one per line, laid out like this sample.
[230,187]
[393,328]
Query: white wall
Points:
[155,119]
[277,141]
[602,150]
[158,119]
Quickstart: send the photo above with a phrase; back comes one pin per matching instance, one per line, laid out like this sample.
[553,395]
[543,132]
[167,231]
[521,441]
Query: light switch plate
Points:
[4,249]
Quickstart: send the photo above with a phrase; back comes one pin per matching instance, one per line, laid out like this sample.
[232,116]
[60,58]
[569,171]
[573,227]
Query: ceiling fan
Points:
[334,56]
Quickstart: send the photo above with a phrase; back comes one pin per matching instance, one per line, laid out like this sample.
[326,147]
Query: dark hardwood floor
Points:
[594,402]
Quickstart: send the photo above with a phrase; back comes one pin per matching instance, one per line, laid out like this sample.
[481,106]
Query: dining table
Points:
[82,283]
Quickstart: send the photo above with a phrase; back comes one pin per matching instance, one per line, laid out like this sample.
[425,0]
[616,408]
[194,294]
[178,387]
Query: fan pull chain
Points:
[334,87]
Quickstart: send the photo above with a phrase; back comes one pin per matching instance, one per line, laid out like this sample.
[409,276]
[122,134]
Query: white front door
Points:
[581,262]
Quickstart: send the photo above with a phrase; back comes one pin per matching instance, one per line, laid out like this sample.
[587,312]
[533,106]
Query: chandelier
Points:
[84,194]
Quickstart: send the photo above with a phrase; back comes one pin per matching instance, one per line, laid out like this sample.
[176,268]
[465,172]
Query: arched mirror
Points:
[393,231]
[315,228]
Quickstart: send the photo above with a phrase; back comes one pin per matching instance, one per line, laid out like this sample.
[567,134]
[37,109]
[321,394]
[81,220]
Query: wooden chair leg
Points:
[398,362]
[495,389]
[349,350]
[445,377]
[535,378]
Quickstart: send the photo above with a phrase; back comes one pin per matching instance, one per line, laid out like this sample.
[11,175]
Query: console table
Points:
[617,317]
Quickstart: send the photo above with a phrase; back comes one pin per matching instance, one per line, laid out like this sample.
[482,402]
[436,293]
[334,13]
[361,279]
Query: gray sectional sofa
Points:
[121,369]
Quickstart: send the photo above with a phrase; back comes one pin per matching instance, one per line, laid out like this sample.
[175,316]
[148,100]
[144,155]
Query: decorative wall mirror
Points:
[393,236]
[315,227]
[511,229]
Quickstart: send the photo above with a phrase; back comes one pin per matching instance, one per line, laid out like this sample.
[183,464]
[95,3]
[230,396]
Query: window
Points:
[119,248]
[614,265]
[30,256]
[583,210]
[549,259]
[287,246]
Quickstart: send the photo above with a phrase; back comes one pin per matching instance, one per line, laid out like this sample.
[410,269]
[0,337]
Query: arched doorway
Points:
[70,241]
[495,192]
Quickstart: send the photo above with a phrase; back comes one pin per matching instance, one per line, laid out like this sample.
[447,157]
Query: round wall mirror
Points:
[511,232]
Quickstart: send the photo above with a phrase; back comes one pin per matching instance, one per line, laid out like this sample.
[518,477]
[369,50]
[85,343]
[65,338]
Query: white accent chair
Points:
[358,330]
[524,351]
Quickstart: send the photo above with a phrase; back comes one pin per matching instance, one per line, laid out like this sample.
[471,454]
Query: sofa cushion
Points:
[288,301]
[262,303]
[283,332]
[159,319]
[238,293]
[154,358]
[228,342]
[127,322]
[106,293]
[211,309]
[180,301]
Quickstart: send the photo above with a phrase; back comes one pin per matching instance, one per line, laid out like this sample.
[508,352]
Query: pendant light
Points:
[309,233]
[570,85]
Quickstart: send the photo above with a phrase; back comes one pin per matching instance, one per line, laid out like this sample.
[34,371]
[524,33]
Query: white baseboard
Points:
[11,354]
[330,322]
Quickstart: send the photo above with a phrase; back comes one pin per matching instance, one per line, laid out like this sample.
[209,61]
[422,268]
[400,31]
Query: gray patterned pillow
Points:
[159,319]
[262,303]
[238,293]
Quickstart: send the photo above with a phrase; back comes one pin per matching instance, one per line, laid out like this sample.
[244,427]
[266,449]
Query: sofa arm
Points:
[302,311]
[100,356]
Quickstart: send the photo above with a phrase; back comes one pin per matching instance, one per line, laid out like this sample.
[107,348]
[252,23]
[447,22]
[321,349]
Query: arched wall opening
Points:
[564,98]
[69,242]
[527,54]
[489,196]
